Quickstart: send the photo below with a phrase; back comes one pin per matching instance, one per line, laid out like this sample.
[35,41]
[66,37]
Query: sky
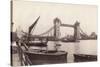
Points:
[26,12]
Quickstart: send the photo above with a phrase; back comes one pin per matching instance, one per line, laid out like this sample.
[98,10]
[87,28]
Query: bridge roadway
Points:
[67,25]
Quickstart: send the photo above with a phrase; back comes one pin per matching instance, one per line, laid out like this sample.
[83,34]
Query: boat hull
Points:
[84,58]
[47,58]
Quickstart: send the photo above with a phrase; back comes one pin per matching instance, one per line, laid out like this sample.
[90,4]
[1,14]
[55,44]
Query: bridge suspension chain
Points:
[82,32]
[47,31]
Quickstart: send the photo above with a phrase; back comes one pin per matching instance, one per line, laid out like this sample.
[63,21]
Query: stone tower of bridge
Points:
[57,23]
[76,31]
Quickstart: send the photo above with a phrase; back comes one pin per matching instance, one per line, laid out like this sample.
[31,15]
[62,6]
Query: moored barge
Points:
[84,58]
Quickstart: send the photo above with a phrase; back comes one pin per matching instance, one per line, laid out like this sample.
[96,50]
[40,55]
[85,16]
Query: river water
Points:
[88,47]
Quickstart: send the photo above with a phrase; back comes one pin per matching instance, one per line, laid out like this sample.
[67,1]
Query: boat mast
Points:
[33,25]
[30,29]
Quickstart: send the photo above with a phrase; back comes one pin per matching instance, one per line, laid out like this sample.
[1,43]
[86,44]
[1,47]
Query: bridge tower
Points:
[57,23]
[76,31]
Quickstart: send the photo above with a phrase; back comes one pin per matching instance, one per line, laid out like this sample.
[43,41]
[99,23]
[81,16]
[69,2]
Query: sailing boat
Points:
[39,56]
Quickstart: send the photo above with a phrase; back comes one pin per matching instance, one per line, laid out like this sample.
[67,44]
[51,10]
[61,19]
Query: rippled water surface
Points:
[83,47]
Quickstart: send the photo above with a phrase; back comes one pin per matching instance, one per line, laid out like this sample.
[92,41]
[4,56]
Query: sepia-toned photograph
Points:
[52,33]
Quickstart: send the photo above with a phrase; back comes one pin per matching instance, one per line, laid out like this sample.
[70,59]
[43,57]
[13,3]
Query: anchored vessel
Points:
[84,58]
